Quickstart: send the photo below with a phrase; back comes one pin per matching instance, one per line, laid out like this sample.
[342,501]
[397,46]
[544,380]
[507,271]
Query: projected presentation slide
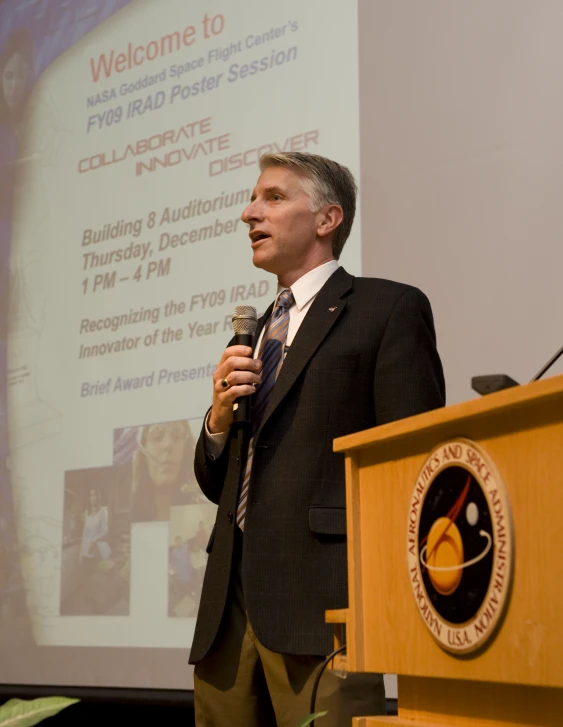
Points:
[130,134]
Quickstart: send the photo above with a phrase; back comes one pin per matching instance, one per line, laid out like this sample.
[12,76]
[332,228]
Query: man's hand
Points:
[241,373]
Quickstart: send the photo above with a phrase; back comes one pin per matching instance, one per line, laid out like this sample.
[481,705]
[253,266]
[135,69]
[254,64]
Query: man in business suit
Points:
[334,354]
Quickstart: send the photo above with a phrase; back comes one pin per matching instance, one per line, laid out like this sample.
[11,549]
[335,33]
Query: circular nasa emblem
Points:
[459,546]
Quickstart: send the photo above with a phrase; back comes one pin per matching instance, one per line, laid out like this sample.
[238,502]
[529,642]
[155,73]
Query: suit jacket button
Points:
[230,517]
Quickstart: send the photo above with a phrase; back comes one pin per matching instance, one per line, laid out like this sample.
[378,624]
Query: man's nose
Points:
[252,212]
[168,441]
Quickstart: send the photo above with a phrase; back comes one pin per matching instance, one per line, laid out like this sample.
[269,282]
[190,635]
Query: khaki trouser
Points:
[241,683]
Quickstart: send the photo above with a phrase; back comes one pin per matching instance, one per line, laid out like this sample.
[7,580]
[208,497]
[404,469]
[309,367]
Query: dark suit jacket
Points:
[371,360]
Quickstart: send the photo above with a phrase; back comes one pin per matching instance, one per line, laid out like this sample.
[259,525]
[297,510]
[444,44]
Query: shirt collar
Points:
[308,285]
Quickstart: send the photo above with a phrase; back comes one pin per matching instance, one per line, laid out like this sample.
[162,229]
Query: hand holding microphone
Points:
[236,374]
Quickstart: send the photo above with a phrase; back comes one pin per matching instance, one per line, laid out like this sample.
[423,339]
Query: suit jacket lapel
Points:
[321,317]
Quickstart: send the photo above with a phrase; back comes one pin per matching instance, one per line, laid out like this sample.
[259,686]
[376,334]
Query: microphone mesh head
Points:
[245,319]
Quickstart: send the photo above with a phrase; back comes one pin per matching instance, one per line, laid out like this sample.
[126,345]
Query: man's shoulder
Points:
[383,287]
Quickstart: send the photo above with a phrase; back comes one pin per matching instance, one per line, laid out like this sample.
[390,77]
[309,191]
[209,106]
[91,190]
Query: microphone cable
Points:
[324,665]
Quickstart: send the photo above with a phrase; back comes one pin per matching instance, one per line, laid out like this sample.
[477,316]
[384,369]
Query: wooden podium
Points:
[498,661]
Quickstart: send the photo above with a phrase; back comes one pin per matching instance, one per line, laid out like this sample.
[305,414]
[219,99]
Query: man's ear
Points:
[329,219]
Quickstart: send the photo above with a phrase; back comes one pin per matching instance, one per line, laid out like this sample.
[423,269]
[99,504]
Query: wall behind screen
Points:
[462,170]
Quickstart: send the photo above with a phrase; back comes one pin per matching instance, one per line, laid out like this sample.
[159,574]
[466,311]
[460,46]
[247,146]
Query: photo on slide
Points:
[95,563]
[159,459]
[189,532]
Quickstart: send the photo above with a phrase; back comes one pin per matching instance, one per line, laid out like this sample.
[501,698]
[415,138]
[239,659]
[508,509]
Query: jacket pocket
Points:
[209,547]
[327,520]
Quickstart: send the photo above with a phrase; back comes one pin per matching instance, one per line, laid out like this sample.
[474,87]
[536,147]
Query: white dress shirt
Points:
[304,290]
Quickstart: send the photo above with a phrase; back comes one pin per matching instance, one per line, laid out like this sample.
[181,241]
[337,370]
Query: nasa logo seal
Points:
[460,546]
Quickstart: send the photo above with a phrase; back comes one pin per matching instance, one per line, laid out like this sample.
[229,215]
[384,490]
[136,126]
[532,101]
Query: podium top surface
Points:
[502,401]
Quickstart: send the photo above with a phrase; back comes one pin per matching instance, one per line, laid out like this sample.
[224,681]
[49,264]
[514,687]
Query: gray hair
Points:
[326,182]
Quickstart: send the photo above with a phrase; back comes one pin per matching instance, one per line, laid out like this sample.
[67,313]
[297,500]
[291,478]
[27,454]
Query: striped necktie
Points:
[271,354]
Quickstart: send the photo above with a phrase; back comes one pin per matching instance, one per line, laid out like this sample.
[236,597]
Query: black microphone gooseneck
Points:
[245,322]
[548,365]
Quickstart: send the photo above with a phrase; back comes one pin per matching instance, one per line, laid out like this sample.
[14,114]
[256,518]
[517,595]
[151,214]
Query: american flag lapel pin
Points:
[332,308]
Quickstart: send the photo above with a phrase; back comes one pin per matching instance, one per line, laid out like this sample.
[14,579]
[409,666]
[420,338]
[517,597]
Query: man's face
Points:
[165,449]
[283,230]
[15,79]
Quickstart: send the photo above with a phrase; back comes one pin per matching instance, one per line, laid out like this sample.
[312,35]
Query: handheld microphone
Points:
[245,322]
